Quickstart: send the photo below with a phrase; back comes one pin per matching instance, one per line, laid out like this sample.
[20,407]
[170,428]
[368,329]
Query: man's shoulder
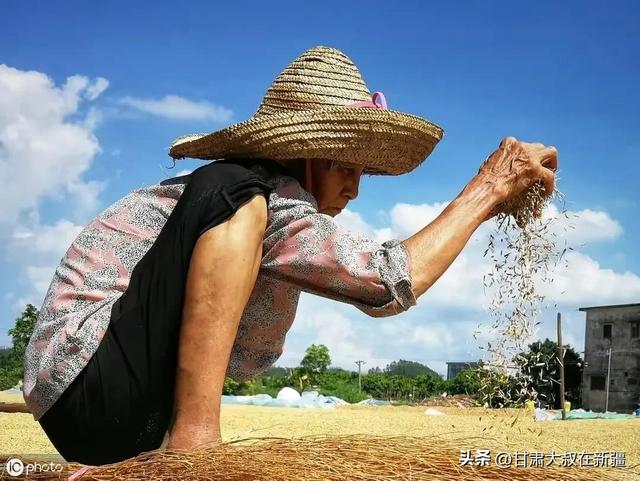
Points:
[287,191]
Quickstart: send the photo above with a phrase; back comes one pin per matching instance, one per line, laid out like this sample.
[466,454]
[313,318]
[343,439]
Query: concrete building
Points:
[454,368]
[616,328]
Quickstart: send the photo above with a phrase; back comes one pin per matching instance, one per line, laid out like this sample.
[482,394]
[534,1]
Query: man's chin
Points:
[332,211]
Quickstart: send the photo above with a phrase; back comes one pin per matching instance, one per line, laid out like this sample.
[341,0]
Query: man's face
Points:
[334,184]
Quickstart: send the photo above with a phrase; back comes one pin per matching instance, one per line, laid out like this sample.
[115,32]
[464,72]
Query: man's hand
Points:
[515,167]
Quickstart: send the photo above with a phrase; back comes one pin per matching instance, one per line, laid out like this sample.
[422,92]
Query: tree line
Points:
[401,381]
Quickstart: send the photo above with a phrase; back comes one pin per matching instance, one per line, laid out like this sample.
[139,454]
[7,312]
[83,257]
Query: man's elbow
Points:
[392,308]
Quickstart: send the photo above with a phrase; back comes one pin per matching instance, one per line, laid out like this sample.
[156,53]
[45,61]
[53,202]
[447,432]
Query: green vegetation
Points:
[11,359]
[540,363]
[400,381]
[405,381]
[409,369]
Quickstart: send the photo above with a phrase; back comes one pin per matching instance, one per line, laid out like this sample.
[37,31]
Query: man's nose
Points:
[351,187]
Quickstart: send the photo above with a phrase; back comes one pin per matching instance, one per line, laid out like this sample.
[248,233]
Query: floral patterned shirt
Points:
[303,250]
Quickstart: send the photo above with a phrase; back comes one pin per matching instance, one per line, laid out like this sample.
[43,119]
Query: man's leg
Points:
[221,277]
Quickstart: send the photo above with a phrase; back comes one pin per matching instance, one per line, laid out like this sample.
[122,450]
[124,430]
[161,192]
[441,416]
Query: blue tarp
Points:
[543,415]
[374,402]
[13,392]
[308,399]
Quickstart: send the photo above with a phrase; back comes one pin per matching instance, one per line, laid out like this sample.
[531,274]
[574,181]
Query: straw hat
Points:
[319,107]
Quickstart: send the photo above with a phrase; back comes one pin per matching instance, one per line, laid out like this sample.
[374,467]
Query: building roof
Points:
[608,307]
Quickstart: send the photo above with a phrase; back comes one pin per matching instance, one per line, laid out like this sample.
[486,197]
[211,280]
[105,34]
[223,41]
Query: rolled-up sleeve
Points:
[310,250]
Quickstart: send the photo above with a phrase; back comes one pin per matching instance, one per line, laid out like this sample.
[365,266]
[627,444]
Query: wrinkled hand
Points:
[515,167]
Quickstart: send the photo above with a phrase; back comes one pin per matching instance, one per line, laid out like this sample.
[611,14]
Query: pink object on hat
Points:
[373,104]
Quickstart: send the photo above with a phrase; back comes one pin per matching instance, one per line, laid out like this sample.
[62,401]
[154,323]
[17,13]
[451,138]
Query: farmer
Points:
[180,284]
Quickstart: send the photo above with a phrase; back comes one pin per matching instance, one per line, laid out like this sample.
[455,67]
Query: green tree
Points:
[466,381]
[539,365]
[377,385]
[5,352]
[277,372]
[316,358]
[426,385]
[496,387]
[230,387]
[22,330]
[340,383]
[409,369]
[11,363]
[9,376]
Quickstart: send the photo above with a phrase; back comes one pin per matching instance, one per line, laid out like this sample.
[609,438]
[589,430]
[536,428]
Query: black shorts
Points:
[121,404]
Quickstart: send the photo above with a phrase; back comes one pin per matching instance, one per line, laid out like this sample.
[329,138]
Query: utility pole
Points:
[360,363]
[606,398]
[560,356]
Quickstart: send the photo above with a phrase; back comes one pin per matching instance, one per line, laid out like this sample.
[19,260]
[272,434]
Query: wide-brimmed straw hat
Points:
[319,107]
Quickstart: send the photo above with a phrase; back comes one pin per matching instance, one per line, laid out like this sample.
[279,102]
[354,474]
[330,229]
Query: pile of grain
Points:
[456,400]
[323,458]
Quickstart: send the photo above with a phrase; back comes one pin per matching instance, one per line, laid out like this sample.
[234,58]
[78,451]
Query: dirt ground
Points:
[470,428]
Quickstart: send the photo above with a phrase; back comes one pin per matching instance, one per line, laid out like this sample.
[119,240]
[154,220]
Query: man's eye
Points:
[344,167]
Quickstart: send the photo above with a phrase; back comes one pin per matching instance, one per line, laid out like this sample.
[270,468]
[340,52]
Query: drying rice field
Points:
[467,428]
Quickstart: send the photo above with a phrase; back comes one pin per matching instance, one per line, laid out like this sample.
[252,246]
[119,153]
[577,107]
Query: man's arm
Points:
[506,173]
[434,248]
[222,273]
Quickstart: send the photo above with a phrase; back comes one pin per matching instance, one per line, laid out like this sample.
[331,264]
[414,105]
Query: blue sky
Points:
[562,73]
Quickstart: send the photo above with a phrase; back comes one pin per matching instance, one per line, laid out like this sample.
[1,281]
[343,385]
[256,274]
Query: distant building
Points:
[616,328]
[454,368]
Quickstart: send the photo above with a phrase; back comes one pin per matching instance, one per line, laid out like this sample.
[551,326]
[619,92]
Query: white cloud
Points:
[50,241]
[175,107]
[87,195]
[462,283]
[353,221]
[334,325]
[434,336]
[574,227]
[93,118]
[18,306]
[440,328]
[584,226]
[585,283]
[43,150]
[39,248]
[73,90]
[47,145]
[395,327]
[40,279]
[94,90]
[407,219]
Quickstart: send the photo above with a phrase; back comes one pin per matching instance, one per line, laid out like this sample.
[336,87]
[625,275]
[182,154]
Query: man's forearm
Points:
[222,273]
[216,293]
[433,249]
